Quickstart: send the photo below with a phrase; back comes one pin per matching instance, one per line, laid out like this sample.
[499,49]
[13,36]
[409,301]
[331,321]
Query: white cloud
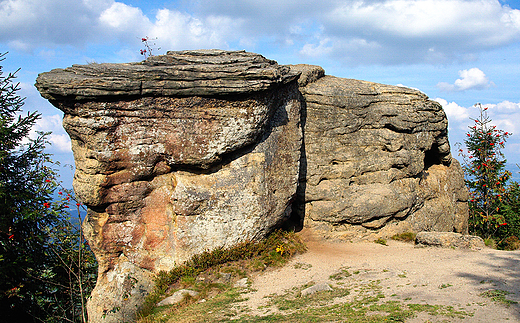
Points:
[505,107]
[505,115]
[454,111]
[172,29]
[472,79]
[121,17]
[177,30]
[20,45]
[432,19]
[28,24]
[60,141]
[354,32]
[379,31]
[323,48]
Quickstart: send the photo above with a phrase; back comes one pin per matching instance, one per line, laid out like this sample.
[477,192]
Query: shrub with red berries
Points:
[487,178]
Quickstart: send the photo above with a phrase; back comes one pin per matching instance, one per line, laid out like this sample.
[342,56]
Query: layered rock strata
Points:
[376,155]
[182,153]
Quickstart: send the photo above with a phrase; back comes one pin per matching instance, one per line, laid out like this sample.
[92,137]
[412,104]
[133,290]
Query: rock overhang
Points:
[208,73]
[211,102]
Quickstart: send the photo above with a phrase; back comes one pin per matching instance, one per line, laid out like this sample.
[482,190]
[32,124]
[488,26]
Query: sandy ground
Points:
[407,273]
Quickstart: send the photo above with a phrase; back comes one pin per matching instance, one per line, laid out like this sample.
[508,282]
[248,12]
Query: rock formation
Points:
[196,150]
[182,153]
[375,154]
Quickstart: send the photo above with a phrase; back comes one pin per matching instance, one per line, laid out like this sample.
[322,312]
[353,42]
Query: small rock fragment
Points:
[448,240]
[242,283]
[316,288]
[177,297]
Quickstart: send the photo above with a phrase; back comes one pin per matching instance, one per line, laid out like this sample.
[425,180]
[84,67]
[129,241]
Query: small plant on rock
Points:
[147,51]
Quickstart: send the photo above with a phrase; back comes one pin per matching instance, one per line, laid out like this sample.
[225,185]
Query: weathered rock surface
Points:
[167,177]
[449,240]
[374,154]
[445,196]
[196,150]
[184,73]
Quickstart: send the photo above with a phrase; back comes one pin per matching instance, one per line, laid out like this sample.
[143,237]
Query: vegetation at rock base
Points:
[46,268]
[494,199]
[275,250]
[405,236]
[381,241]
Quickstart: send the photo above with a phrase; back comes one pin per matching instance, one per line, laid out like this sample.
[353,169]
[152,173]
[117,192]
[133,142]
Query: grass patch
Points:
[338,305]
[381,241]
[293,299]
[362,302]
[216,309]
[405,236]
[435,310]
[301,265]
[499,296]
[342,274]
[490,242]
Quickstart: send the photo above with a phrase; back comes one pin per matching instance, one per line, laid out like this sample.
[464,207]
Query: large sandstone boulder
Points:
[182,153]
[195,150]
[376,155]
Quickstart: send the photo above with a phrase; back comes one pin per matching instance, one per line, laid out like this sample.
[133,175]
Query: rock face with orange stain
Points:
[182,153]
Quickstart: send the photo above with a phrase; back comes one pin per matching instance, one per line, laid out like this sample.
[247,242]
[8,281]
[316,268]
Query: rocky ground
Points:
[455,280]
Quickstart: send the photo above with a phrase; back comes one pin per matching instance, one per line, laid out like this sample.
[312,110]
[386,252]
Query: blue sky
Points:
[458,52]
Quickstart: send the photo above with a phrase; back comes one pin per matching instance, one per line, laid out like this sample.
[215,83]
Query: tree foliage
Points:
[43,257]
[494,199]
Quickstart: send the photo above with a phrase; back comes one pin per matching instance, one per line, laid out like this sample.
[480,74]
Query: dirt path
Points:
[405,273]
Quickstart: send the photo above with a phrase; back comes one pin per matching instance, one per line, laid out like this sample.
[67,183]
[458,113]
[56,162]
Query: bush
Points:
[511,243]
[274,250]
